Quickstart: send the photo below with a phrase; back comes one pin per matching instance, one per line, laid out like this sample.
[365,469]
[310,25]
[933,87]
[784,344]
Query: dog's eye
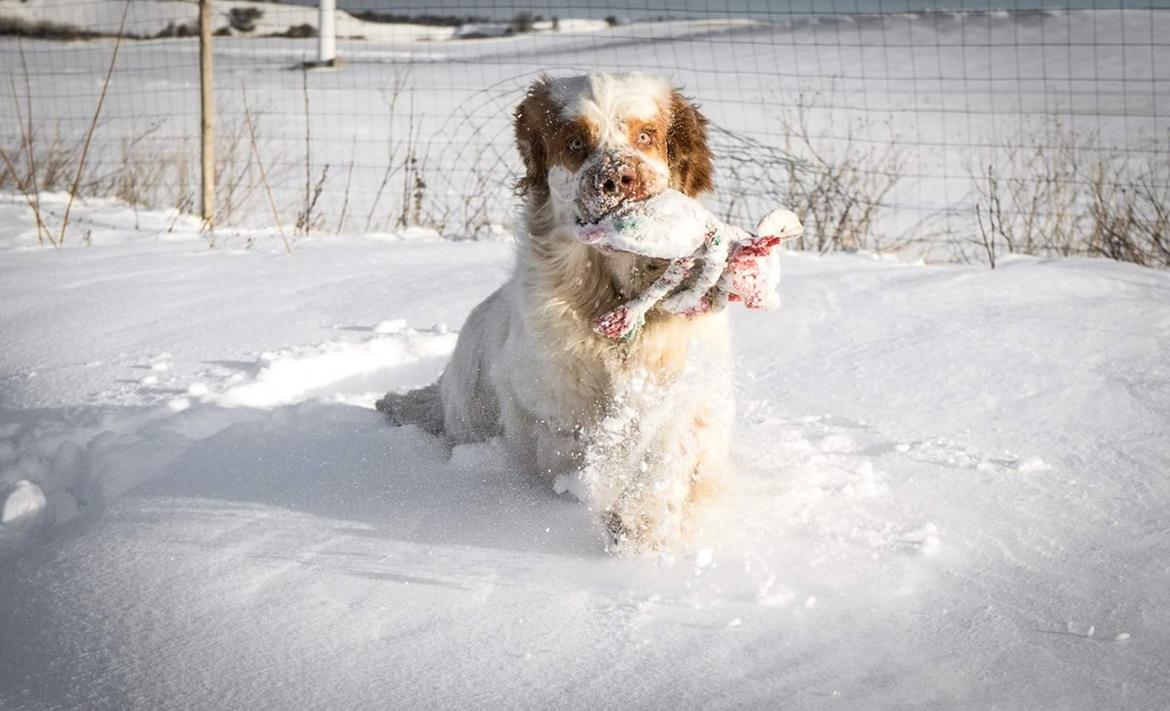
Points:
[645,138]
[576,144]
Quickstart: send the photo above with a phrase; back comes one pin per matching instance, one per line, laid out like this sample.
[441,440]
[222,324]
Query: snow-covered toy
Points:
[736,264]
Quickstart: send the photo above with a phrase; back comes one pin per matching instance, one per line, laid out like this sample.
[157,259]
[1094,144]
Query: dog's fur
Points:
[528,366]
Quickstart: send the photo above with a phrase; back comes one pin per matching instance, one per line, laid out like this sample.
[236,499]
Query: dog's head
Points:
[592,143]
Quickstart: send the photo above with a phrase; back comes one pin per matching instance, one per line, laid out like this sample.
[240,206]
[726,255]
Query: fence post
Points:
[207,115]
[327,33]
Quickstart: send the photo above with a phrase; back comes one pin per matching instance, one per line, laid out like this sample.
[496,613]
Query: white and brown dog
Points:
[643,423]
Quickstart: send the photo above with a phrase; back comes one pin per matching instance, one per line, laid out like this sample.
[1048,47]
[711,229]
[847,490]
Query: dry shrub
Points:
[44,29]
[838,187]
[1058,192]
[145,168]
[54,156]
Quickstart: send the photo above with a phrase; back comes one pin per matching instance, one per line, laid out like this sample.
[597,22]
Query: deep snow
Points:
[952,492]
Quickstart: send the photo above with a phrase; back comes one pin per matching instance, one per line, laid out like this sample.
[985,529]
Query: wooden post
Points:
[207,114]
[327,33]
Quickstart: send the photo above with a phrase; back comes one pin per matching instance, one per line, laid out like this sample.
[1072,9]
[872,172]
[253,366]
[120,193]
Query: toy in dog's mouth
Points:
[593,230]
[588,215]
[666,225]
[593,234]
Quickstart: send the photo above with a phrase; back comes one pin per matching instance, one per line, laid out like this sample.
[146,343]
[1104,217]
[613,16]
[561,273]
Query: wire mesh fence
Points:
[957,133]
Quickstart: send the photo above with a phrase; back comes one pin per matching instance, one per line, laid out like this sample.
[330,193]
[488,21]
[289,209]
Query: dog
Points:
[641,425]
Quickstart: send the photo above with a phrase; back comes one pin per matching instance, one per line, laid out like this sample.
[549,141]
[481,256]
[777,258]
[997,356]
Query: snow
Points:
[24,501]
[951,492]
[293,375]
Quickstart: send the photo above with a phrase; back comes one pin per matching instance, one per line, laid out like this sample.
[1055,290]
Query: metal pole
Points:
[207,114]
[327,32]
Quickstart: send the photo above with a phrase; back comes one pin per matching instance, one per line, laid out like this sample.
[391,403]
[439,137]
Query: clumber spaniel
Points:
[637,428]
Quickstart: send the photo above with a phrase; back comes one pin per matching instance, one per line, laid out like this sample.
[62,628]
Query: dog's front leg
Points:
[655,465]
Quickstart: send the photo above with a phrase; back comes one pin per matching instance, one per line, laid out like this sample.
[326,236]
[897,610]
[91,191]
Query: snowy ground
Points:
[952,493]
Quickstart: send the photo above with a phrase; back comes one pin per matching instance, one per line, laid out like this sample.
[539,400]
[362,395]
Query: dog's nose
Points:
[620,179]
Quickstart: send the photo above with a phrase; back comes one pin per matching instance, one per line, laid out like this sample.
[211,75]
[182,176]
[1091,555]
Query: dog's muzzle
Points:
[612,181]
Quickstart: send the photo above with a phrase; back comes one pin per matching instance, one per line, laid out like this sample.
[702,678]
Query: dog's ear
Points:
[687,152]
[532,119]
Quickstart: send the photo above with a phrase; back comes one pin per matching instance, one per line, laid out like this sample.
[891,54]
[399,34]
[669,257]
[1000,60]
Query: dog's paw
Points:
[421,407]
[633,533]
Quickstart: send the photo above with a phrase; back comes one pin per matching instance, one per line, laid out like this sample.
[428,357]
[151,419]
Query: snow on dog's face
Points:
[593,143]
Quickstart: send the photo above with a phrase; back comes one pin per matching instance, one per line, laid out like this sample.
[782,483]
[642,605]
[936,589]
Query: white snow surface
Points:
[952,492]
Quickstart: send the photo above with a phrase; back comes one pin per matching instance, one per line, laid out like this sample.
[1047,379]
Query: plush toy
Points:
[673,226]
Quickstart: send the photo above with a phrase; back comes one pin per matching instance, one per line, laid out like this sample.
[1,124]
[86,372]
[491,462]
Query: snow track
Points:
[95,455]
[359,372]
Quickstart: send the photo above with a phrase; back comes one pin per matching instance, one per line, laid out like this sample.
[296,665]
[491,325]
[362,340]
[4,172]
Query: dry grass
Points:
[407,163]
[148,169]
[838,188]
[1056,192]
